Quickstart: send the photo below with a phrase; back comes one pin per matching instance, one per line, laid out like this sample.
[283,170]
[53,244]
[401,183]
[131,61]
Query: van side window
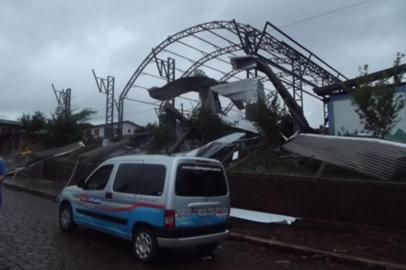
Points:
[143,179]
[99,179]
[126,177]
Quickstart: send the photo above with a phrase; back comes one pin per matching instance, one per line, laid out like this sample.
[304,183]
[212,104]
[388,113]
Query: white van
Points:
[154,201]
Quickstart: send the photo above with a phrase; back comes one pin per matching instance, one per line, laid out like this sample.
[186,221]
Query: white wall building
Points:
[129,128]
[344,120]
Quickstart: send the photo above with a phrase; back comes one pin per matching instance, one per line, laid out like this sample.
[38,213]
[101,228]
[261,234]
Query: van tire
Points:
[65,218]
[145,247]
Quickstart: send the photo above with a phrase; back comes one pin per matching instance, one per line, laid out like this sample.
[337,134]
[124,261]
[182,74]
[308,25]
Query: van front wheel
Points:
[144,245]
[65,219]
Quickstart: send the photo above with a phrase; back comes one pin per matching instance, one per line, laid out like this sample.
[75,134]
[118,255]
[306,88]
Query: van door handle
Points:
[109,195]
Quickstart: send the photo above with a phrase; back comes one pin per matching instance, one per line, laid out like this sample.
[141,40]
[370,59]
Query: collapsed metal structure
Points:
[292,69]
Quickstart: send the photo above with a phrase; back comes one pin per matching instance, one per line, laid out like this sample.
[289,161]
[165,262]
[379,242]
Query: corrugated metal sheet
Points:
[378,158]
[261,217]
[247,91]
[241,124]
[211,148]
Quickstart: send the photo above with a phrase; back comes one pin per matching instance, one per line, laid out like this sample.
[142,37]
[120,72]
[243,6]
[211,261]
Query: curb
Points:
[44,194]
[338,257]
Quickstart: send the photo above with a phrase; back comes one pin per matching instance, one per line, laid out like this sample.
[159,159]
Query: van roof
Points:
[159,157]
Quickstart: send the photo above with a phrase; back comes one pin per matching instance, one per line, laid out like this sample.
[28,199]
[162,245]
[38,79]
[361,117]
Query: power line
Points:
[324,14]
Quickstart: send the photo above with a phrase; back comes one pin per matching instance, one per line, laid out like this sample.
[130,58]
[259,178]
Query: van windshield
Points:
[200,180]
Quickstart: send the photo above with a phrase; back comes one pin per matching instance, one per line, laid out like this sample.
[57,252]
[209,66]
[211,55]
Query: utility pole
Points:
[106,86]
[63,97]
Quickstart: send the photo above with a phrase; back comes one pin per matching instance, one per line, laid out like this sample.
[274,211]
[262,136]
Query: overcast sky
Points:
[52,41]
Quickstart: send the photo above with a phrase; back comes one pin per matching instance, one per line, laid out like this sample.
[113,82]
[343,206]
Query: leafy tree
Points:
[398,76]
[377,104]
[270,118]
[206,126]
[62,129]
[33,123]
[162,135]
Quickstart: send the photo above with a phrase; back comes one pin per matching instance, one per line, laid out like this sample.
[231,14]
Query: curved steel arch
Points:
[210,56]
[251,40]
[230,74]
[228,25]
[236,28]
[219,52]
[234,72]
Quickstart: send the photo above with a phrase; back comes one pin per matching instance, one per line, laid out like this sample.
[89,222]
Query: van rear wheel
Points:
[144,245]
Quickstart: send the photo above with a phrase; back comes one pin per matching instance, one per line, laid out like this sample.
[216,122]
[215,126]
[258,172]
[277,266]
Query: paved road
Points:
[31,239]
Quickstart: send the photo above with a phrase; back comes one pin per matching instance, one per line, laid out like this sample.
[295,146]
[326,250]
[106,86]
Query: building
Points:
[344,120]
[129,128]
[9,135]
[8,126]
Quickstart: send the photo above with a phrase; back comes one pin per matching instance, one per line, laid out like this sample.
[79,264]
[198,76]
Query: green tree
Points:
[62,129]
[270,118]
[33,123]
[206,126]
[162,135]
[377,104]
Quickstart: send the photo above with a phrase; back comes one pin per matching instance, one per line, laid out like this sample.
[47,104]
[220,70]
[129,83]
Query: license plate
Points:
[206,211]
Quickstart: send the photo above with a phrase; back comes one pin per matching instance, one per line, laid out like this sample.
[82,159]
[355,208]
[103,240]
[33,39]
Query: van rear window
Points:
[200,180]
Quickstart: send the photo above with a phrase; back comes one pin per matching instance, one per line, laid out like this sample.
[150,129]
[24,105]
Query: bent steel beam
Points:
[181,86]
[347,85]
[290,102]
[261,64]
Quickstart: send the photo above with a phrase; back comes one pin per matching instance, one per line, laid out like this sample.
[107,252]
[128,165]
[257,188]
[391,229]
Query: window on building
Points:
[96,132]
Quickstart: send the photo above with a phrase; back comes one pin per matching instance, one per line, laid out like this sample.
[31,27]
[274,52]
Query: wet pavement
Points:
[31,239]
[359,241]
